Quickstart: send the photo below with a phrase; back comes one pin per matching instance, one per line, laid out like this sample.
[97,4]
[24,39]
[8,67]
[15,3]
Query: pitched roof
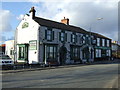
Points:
[59,25]
[99,35]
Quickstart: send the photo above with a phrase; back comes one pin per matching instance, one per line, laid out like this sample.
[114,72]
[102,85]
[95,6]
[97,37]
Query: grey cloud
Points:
[85,14]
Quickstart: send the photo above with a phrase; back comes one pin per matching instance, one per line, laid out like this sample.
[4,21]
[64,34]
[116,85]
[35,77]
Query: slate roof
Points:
[59,25]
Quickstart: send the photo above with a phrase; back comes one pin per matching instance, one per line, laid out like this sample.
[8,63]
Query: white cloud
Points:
[5,25]
[5,19]
[20,17]
[84,14]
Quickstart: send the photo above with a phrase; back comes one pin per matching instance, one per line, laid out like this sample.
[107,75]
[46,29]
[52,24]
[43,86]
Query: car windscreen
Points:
[4,57]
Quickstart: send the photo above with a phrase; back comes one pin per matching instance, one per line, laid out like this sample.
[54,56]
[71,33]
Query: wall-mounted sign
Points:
[102,47]
[33,45]
[25,25]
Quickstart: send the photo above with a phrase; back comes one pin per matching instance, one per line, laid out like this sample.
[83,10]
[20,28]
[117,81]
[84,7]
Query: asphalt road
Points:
[89,76]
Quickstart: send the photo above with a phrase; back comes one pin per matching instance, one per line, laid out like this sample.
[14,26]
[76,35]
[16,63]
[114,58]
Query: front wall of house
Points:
[103,49]
[27,33]
[44,44]
[56,42]
[9,49]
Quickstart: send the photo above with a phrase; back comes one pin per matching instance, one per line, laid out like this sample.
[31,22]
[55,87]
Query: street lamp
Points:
[99,18]
[90,56]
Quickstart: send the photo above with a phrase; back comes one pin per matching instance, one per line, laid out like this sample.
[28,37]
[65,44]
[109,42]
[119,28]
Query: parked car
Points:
[6,60]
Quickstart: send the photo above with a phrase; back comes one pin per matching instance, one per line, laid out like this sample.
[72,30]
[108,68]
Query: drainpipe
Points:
[38,44]
[15,46]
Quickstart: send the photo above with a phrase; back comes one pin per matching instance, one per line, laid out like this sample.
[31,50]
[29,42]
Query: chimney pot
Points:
[65,21]
[32,12]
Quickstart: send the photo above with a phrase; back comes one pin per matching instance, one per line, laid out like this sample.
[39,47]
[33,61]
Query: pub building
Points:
[39,40]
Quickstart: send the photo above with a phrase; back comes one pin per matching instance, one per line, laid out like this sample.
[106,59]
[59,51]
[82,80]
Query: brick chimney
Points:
[32,13]
[65,21]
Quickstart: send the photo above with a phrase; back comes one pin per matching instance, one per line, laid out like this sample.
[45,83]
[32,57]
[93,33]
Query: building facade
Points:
[115,50]
[2,49]
[41,40]
[9,50]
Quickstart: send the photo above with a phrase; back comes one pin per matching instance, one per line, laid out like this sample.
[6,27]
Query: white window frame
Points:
[62,36]
[109,52]
[83,39]
[98,53]
[73,37]
[103,42]
[98,41]
[108,43]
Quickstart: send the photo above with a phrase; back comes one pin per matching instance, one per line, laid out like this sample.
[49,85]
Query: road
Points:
[89,76]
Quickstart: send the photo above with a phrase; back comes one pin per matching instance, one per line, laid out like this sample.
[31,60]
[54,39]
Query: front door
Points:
[23,52]
[63,52]
[85,53]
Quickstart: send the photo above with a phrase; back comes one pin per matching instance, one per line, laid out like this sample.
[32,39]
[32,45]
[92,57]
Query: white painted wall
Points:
[24,35]
[9,47]
[56,41]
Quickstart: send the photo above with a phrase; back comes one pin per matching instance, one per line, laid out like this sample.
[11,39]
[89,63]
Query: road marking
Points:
[42,80]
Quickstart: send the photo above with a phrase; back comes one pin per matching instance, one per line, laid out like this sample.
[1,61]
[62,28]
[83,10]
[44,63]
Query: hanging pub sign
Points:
[33,45]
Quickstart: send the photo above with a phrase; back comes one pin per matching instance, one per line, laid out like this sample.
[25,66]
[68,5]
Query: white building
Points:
[40,40]
[9,49]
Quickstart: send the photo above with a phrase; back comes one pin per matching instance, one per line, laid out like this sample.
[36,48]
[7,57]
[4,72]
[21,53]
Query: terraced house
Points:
[41,40]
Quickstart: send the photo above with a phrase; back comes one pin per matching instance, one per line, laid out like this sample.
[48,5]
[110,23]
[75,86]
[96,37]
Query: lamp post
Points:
[90,54]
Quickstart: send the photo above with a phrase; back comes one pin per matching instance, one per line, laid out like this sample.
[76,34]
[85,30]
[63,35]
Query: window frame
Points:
[103,42]
[75,52]
[49,34]
[73,38]
[98,41]
[62,36]
[108,43]
[51,52]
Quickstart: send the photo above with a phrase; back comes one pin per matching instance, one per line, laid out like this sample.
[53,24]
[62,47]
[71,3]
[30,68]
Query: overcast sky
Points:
[81,13]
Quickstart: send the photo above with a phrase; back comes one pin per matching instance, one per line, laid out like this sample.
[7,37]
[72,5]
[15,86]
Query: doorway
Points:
[62,52]
[23,52]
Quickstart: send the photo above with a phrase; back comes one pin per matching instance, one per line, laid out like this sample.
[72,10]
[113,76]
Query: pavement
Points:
[56,67]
